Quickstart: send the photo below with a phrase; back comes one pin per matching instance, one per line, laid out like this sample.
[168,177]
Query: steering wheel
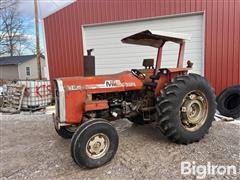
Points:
[138,74]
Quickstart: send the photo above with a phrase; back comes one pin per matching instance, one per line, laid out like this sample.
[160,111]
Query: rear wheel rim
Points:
[97,146]
[194,110]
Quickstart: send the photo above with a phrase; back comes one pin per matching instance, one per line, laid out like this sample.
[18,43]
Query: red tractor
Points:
[181,105]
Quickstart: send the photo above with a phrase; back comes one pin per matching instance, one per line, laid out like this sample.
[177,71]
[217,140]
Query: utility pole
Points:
[37,40]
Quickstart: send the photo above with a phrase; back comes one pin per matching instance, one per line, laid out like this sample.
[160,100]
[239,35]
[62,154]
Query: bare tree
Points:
[13,40]
[4,4]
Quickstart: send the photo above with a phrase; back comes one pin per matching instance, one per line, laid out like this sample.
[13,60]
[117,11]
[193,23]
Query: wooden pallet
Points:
[12,99]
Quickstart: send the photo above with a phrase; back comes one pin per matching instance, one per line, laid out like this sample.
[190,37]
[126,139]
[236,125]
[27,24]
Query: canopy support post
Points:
[159,58]
[181,55]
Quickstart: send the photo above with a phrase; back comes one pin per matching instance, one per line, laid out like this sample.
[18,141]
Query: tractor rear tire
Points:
[94,143]
[228,102]
[186,108]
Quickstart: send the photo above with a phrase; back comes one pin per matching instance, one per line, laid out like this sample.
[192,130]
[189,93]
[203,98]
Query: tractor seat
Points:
[148,63]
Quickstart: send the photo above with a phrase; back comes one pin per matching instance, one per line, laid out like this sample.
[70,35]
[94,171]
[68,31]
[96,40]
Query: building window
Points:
[28,71]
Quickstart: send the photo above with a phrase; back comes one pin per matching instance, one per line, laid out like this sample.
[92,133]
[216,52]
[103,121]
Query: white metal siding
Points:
[32,64]
[113,56]
[9,72]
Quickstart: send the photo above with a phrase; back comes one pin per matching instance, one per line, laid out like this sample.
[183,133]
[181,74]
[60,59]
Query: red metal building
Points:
[64,41]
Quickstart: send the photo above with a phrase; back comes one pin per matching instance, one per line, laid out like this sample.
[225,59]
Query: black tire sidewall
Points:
[79,147]
[79,130]
[223,96]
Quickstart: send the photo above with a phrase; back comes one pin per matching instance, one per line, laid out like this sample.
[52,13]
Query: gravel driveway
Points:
[30,149]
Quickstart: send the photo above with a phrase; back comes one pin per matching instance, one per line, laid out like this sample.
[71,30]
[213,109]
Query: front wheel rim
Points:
[97,146]
[194,110]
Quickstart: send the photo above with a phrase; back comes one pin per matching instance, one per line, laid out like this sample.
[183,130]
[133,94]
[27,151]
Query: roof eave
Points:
[58,9]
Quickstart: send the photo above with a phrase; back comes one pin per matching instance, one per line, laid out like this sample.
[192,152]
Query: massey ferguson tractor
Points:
[180,104]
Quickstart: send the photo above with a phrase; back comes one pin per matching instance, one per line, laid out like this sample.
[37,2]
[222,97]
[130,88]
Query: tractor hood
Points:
[123,81]
[155,38]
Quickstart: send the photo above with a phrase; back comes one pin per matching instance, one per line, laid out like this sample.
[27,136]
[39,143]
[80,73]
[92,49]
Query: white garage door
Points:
[112,56]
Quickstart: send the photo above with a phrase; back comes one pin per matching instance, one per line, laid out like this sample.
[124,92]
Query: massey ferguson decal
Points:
[113,83]
[107,84]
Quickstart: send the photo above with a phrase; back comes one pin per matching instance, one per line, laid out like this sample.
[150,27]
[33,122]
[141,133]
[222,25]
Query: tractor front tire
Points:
[186,109]
[65,132]
[94,143]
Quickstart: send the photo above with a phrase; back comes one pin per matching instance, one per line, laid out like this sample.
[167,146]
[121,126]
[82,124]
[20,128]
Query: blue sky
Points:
[26,9]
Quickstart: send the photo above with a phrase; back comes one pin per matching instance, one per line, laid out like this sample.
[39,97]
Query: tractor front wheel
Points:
[186,109]
[94,143]
[65,132]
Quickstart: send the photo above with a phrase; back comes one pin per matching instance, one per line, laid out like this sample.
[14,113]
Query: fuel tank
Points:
[72,93]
